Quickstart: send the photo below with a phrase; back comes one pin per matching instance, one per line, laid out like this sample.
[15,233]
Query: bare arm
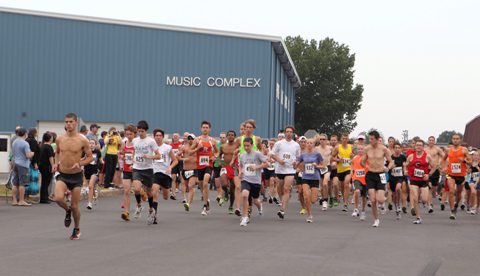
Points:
[388,155]
[88,153]
[334,157]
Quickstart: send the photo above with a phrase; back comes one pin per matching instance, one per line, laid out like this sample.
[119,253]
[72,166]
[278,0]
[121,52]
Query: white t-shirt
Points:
[288,152]
[143,147]
[161,165]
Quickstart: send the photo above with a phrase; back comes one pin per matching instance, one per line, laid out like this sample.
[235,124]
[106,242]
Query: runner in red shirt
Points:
[419,168]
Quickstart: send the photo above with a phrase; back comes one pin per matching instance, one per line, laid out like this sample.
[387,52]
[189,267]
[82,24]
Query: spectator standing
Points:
[93,134]
[113,143]
[21,155]
[45,165]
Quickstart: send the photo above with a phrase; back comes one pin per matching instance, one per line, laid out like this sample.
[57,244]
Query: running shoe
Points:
[275,200]
[155,220]
[324,205]
[237,212]
[376,223]
[413,212]
[68,217]
[204,210]
[473,212]
[75,234]
[310,219]
[430,209]
[345,208]
[442,207]
[369,203]
[186,206]
[452,216]
[390,206]
[404,210]
[151,217]
[138,212]
[362,216]
[126,216]
[462,206]
[230,210]
[218,201]
[335,202]
[89,206]
[281,214]
[418,221]
[270,200]
[260,210]
[383,211]
[355,213]
[399,215]
[172,196]
[303,211]
[184,201]
[245,221]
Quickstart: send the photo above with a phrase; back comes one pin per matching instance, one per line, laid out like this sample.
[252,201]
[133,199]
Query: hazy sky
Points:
[418,60]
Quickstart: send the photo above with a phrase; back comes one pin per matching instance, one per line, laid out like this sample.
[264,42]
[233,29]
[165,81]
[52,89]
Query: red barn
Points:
[472,132]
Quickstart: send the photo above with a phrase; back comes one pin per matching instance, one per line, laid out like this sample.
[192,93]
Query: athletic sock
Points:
[155,205]
[138,197]
[150,202]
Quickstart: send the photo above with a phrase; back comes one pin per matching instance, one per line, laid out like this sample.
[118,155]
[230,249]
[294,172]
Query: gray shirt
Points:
[249,159]
[20,148]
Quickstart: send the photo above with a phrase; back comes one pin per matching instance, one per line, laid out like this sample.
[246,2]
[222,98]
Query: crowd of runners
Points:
[249,172]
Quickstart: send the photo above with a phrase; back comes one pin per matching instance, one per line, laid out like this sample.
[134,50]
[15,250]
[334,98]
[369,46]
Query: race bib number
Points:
[360,173]
[397,172]
[249,171]
[309,168]
[383,178]
[475,176]
[456,168]
[324,170]
[419,173]
[286,156]
[139,159]
[188,174]
[94,161]
[223,171]
[204,161]
[270,167]
[162,158]
[346,162]
[175,151]
[128,158]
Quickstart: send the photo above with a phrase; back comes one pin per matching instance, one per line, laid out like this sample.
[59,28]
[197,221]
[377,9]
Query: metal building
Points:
[472,132]
[121,71]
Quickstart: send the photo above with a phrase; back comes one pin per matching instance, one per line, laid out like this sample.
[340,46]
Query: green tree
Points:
[446,136]
[328,100]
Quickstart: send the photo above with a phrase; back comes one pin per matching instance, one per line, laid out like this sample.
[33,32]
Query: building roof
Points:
[277,42]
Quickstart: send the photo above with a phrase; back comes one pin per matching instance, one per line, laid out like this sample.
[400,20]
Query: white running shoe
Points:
[362,216]
[138,212]
[324,205]
[310,219]
[260,210]
[376,223]
[355,213]
[151,217]
[204,211]
[244,221]
[89,206]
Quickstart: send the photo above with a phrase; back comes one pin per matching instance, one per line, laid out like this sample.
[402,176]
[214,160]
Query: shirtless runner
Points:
[436,154]
[73,151]
[326,151]
[376,178]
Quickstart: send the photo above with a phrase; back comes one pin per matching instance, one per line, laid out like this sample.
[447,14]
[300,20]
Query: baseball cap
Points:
[361,136]
[191,135]
[94,125]
[302,138]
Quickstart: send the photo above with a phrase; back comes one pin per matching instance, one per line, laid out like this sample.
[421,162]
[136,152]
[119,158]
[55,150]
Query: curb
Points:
[102,194]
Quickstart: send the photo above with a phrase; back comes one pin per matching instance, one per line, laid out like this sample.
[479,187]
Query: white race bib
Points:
[346,162]
[270,167]
[383,178]
[360,173]
[249,171]
[204,161]
[223,171]
[397,172]
[286,156]
[139,159]
[188,174]
[475,176]
[419,173]
[162,158]
[128,158]
[309,168]
[456,168]
[94,161]
[324,170]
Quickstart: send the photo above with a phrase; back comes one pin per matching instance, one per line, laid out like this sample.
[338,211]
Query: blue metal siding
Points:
[107,72]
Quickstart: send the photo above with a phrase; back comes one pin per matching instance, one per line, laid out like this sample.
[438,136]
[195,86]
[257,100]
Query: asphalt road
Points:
[33,241]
